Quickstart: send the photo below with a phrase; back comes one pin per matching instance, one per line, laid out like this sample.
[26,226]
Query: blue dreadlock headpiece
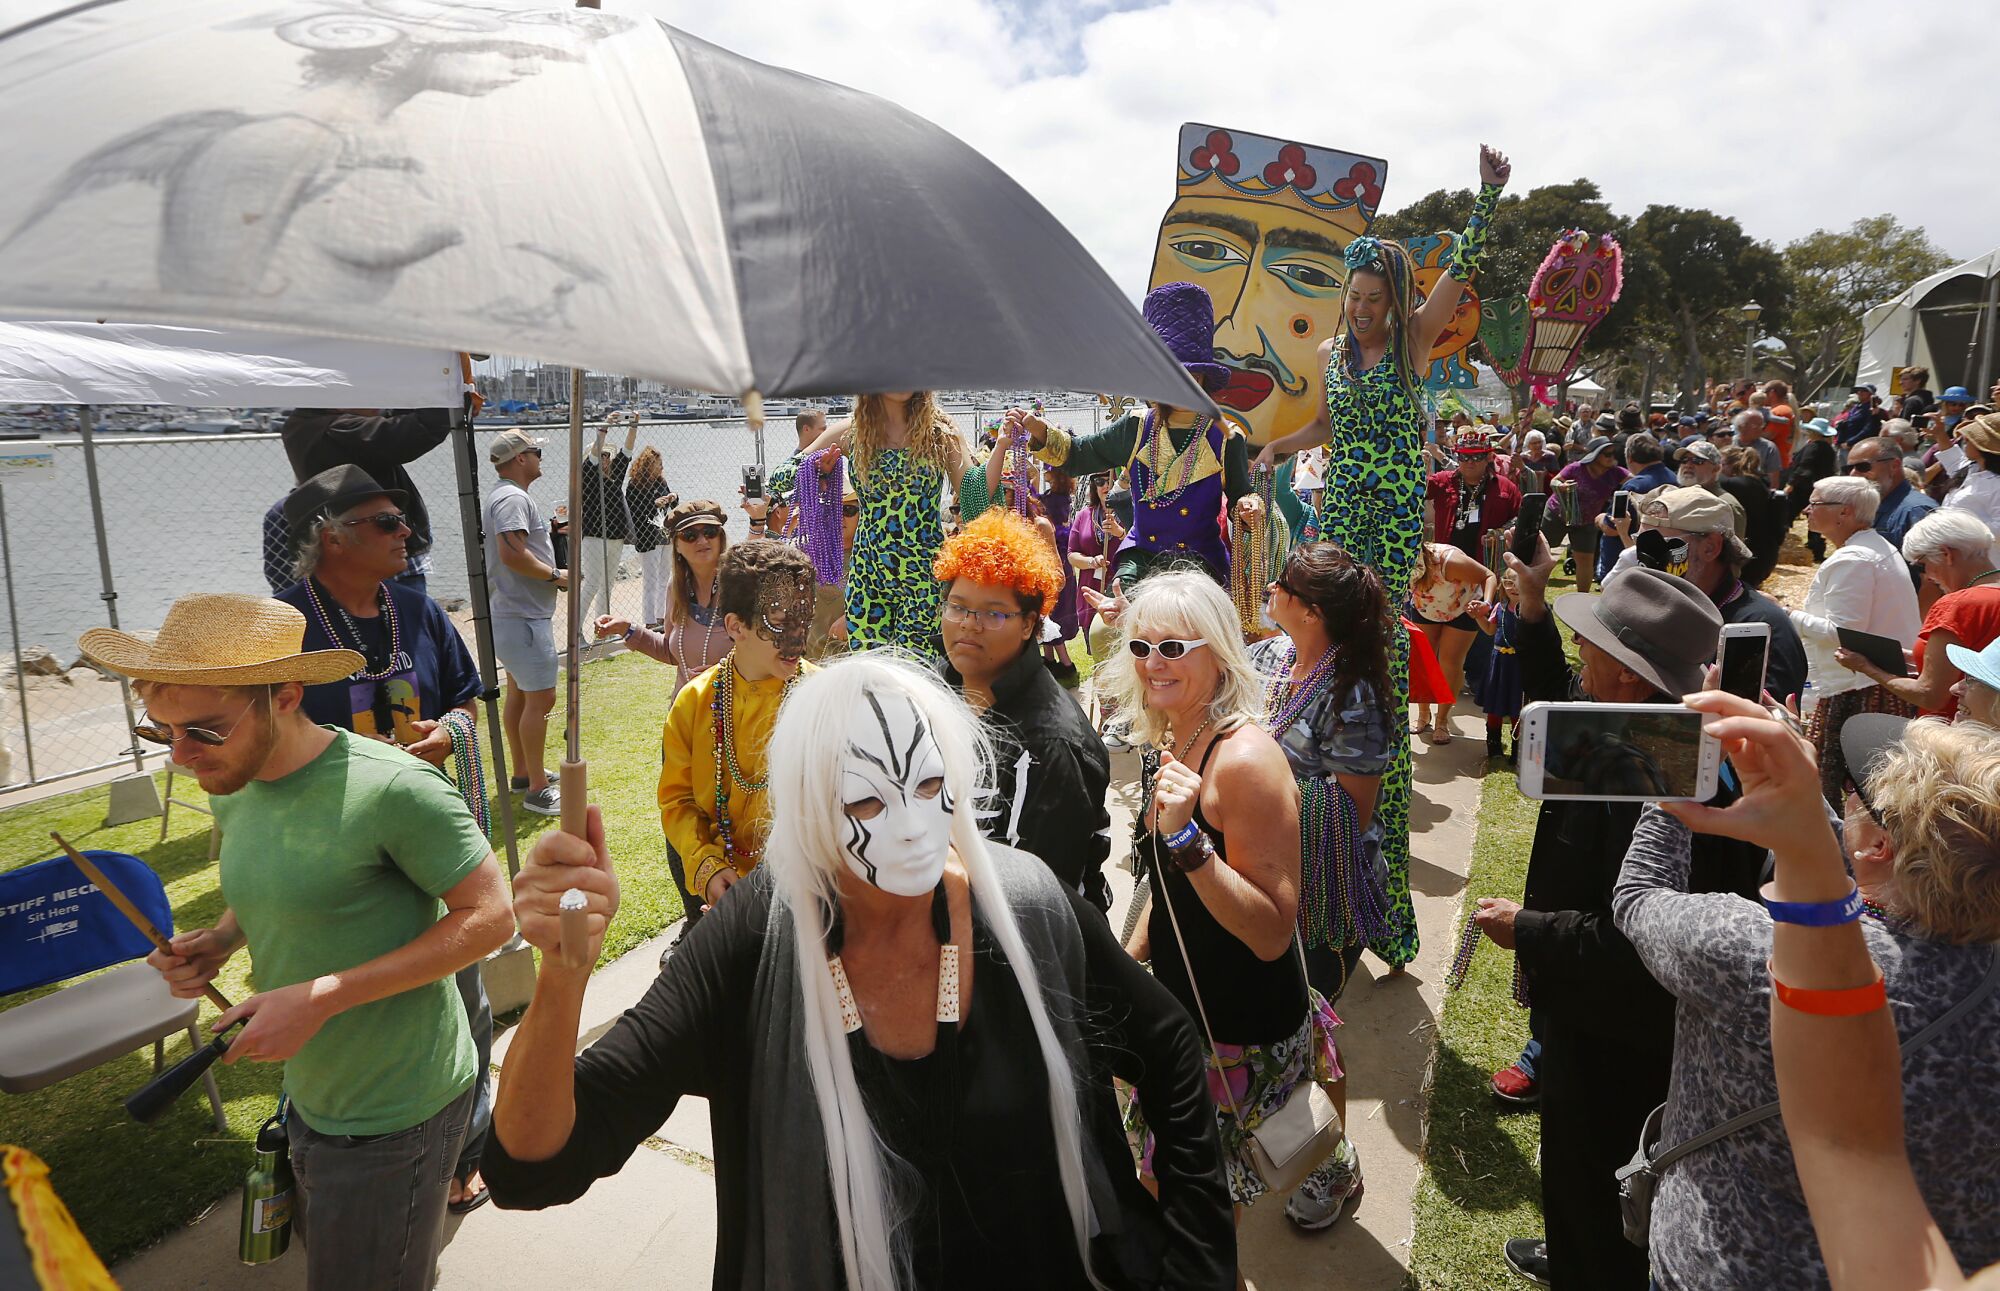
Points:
[1364,252]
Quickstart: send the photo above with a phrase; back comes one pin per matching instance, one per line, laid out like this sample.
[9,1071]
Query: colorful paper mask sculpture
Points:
[1503,333]
[1261,223]
[1572,292]
[1449,370]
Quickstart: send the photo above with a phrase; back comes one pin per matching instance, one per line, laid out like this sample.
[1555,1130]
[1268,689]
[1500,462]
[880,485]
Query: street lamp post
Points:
[1751,313]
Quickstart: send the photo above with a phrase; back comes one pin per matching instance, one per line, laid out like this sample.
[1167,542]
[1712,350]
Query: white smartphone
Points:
[1744,653]
[1616,753]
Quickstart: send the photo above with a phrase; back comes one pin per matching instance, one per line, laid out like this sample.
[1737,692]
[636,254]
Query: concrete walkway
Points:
[653,1225]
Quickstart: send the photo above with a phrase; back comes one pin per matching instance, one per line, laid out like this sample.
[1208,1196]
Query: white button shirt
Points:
[1979,496]
[1864,586]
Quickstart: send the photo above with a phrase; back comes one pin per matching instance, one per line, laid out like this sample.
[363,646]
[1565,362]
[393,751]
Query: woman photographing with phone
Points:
[1220,840]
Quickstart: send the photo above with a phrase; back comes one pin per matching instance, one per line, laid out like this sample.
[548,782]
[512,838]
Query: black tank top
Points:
[1250,1000]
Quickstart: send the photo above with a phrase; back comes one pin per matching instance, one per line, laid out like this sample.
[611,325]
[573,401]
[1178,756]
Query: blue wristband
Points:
[1814,914]
[1185,835]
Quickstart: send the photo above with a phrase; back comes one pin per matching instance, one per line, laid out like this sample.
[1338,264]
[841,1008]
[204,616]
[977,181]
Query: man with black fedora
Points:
[1606,1027]
[416,672]
[360,884]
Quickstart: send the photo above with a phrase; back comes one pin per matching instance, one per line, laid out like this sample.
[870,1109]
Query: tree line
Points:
[1688,274]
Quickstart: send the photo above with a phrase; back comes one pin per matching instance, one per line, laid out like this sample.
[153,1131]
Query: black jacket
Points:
[318,439]
[604,509]
[1052,775]
[1814,461]
[1764,523]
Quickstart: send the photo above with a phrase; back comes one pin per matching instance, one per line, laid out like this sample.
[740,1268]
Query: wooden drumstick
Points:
[131,912]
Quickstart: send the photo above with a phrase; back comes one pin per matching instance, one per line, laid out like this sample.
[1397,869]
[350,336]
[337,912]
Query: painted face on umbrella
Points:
[1260,224]
[893,793]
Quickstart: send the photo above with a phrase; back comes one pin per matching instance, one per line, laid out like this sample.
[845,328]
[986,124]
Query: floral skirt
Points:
[1260,1078]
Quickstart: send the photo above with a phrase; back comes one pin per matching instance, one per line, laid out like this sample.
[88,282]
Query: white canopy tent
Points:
[1945,323]
[99,364]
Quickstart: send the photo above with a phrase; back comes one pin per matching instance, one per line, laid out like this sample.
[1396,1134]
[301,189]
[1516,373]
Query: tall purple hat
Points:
[1184,316]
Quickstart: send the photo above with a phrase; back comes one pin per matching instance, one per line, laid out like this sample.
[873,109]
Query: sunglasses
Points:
[1171,648]
[850,509]
[386,521]
[698,532]
[1848,786]
[161,733]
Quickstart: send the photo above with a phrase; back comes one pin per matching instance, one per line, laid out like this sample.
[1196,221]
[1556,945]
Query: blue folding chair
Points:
[54,926]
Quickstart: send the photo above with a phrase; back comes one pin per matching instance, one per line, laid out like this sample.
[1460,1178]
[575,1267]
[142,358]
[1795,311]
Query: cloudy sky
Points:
[1789,114]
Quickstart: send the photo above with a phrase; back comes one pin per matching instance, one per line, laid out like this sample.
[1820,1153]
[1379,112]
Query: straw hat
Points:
[222,639]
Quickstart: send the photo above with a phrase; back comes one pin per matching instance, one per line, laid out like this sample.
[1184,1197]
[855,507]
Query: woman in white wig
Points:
[906,1035]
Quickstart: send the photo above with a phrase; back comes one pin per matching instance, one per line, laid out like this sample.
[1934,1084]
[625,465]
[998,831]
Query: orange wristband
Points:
[1848,1002]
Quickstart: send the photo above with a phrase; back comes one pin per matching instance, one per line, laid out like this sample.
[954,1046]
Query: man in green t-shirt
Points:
[360,883]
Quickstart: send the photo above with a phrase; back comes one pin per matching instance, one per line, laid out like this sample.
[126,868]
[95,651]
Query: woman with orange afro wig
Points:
[999,577]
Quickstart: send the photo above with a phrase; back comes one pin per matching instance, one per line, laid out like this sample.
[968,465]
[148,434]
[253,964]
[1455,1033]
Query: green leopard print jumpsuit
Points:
[1374,508]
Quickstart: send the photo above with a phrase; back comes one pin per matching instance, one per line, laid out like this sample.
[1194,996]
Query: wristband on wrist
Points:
[1848,1002]
[629,631]
[1813,914]
[1192,855]
[1183,836]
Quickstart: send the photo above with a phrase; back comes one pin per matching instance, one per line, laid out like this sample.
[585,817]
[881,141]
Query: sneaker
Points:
[547,802]
[1327,1193]
[519,783]
[1512,1085]
[1114,739]
[1529,1257]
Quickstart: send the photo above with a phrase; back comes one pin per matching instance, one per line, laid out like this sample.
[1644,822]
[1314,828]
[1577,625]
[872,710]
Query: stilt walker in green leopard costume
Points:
[1373,426]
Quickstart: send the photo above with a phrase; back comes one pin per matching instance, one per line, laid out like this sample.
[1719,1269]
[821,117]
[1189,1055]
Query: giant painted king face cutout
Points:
[1260,223]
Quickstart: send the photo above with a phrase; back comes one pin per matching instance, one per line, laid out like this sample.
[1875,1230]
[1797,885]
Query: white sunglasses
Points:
[1171,648]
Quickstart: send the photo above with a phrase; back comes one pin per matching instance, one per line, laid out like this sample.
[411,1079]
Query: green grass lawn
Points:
[128,1184]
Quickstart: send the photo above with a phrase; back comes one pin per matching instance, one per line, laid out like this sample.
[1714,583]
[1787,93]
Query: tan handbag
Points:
[1297,1137]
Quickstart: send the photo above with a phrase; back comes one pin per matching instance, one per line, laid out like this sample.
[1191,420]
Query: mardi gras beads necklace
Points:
[1183,465]
[728,768]
[1285,699]
[388,608]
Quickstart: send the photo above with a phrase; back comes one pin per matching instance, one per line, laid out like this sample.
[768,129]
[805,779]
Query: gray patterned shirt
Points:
[1731,1215]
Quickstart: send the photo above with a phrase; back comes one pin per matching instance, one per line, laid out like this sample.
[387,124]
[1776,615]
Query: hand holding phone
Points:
[1743,653]
[753,481]
[1592,752]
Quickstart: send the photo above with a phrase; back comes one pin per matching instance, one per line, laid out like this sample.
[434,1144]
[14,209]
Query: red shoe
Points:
[1512,1085]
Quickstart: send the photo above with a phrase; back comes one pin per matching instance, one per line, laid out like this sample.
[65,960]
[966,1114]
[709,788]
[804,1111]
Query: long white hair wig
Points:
[808,746]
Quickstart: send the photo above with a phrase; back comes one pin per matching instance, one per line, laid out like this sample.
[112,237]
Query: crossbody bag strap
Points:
[1971,1000]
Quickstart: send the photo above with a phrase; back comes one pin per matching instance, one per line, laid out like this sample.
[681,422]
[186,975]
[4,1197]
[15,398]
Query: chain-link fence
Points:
[186,513]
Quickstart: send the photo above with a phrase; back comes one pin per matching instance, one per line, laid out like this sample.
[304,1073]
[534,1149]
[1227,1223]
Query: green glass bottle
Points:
[267,1197]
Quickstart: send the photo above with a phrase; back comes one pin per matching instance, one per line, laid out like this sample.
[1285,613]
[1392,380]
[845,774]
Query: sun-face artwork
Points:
[1260,223]
[1448,370]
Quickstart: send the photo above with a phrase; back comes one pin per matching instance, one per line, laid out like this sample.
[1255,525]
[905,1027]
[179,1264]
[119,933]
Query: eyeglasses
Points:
[700,532]
[1849,787]
[850,509]
[984,620]
[162,733]
[386,521]
[1171,648]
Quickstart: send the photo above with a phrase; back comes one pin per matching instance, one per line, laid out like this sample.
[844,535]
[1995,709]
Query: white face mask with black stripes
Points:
[893,794]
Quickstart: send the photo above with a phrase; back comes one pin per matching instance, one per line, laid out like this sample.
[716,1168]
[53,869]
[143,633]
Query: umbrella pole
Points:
[574,774]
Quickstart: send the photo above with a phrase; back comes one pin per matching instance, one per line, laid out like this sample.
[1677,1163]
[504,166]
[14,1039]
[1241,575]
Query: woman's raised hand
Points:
[1780,807]
[1494,168]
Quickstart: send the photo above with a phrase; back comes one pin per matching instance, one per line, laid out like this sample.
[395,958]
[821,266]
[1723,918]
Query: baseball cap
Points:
[1687,419]
[1864,389]
[510,444]
[1864,738]
[1692,509]
[1697,449]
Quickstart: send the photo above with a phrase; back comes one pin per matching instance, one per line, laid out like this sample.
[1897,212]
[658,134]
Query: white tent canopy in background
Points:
[129,363]
[1944,323]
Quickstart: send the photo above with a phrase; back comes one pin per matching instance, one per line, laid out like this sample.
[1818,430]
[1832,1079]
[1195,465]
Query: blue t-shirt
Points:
[433,671]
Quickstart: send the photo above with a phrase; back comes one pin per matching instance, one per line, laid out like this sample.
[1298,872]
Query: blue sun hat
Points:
[1820,426]
[1956,394]
[1980,665]
[1184,317]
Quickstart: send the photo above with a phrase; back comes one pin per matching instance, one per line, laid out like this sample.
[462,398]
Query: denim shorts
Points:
[527,650]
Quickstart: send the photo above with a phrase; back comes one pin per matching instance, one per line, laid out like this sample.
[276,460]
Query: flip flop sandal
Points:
[1440,735]
[472,1203]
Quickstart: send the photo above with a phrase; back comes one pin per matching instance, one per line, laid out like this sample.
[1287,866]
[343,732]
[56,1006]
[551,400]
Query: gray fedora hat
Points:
[1659,626]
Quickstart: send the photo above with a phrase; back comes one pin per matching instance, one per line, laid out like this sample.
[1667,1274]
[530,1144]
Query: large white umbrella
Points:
[596,189]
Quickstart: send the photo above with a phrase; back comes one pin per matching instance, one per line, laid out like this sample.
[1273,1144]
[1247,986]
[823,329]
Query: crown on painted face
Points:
[1327,181]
